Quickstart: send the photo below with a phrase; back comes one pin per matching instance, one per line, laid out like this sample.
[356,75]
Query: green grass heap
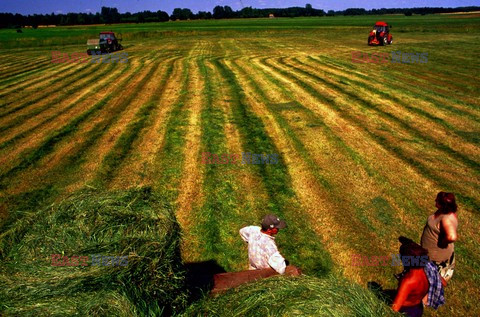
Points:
[133,223]
[301,296]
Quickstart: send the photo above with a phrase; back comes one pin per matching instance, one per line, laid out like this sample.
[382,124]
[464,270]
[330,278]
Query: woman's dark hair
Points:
[447,202]
[414,250]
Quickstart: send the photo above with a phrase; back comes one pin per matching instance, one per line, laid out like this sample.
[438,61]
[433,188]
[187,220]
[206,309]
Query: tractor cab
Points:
[380,28]
[107,36]
[380,35]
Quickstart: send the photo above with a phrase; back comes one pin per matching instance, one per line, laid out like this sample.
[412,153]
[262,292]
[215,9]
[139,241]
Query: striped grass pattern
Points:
[363,148]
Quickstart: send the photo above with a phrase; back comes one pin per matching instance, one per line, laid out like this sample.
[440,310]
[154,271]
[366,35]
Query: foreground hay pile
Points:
[130,223]
[301,296]
[139,225]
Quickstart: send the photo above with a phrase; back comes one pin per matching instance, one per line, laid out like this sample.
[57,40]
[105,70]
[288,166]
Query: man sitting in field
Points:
[262,250]
[265,260]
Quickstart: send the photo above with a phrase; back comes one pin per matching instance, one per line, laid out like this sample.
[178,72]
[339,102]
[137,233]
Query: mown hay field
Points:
[363,147]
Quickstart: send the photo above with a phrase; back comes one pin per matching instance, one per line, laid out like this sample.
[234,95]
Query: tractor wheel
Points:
[391,40]
[384,41]
[369,40]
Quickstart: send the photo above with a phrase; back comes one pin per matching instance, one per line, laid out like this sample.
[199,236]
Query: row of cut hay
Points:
[19,72]
[433,74]
[252,194]
[55,85]
[366,102]
[317,200]
[334,63]
[22,90]
[445,60]
[43,124]
[10,81]
[57,103]
[54,70]
[173,161]
[447,150]
[447,118]
[385,142]
[34,132]
[452,122]
[138,168]
[96,83]
[286,297]
[111,140]
[135,223]
[189,187]
[190,177]
[23,59]
[26,182]
[213,140]
[32,82]
[379,136]
[31,157]
[403,82]
[113,160]
[12,60]
[465,105]
[169,159]
[125,151]
[19,105]
[59,161]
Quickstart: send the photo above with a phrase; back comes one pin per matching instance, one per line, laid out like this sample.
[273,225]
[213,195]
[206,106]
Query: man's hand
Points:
[425,300]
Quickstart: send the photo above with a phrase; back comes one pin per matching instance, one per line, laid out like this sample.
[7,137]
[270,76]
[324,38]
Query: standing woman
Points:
[440,233]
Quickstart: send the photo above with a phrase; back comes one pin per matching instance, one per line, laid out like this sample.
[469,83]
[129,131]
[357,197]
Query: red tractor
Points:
[380,35]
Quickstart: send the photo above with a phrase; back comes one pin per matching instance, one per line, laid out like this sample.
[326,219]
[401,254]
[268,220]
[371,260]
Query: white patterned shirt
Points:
[262,250]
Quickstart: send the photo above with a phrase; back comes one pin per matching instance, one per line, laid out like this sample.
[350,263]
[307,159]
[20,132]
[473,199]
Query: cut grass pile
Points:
[134,223]
[138,224]
[300,296]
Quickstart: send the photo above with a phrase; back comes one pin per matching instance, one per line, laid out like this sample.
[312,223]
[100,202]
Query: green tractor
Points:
[106,43]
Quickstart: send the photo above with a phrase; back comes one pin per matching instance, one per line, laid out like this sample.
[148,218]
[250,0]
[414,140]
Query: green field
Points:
[363,148]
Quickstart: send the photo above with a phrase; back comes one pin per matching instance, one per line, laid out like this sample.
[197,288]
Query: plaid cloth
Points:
[262,250]
[436,296]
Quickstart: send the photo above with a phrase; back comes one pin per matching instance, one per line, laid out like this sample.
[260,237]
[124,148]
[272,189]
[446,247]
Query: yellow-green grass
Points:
[364,148]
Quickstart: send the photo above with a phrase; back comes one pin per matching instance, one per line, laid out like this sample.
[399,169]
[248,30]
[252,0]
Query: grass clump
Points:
[301,296]
[134,223]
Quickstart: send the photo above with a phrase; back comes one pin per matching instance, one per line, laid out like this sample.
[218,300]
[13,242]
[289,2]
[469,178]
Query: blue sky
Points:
[65,6]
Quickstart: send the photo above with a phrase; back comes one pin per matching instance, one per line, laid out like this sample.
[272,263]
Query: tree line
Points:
[111,15]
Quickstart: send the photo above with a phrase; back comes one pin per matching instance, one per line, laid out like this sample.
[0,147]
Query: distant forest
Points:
[111,15]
